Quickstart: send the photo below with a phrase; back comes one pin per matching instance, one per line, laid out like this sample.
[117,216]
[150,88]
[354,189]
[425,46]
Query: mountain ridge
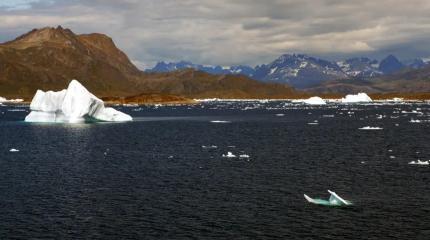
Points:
[294,69]
[48,58]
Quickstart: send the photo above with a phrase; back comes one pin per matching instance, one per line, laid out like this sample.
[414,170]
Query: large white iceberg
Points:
[358,98]
[74,104]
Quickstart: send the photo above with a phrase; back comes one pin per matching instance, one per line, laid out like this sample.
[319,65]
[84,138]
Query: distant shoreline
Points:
[185,101]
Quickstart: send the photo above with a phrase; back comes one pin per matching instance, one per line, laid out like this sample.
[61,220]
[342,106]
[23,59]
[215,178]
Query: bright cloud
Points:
[234,31]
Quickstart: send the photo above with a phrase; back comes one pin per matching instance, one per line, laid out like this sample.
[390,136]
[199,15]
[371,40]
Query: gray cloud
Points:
[235,31]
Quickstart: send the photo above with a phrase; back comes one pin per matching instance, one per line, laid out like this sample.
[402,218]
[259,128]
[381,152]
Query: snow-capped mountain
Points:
[173,66]
[299,70]
[302,71]
[360,67]
[417,63]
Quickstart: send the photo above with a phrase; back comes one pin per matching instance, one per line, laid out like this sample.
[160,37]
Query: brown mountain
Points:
[49,58]
[407,82]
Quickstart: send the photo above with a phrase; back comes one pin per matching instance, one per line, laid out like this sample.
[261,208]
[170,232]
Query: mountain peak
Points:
[36,37]
[390,64]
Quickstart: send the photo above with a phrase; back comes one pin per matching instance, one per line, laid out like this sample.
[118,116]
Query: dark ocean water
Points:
[152,179]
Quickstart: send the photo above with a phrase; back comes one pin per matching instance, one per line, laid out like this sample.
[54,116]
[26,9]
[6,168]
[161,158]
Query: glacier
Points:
[334,200]
[358,98]
[72,105]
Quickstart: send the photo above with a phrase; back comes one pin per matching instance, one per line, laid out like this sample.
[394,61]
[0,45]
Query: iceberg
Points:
[311,101]
[229,155]
[220,121]
[358,98]
[74,104]
[370,128]
[315,101]
[419,162]
[334,200]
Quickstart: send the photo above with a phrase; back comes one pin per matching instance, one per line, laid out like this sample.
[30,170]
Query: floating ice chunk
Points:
[315,122]
[334,200]
[358,98]
[315,101]
[219,121]
[370,128]
[74,104]
[311,101]
[13,150]
[209,147]
[229,155]
[419,162]
[415,121]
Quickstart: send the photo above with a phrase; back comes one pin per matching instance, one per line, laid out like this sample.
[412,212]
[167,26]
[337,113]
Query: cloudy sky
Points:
[229,32]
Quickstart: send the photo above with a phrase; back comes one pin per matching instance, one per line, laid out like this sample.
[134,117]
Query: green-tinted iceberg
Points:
[334,200]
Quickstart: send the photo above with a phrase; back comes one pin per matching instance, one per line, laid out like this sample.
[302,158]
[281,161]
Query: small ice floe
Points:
[313,123]
[243,156]
[280,115]
[370,128]
[13,150]
[419,162]
[16,110]
[415,121]
[220,121]
[229,155]
[334,200]
[209,147]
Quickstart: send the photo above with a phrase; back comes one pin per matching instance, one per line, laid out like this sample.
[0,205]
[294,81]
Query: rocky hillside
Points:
[49,58]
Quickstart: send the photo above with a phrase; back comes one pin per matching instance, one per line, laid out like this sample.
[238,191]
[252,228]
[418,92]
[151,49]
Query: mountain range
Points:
[302,71]
[48,58]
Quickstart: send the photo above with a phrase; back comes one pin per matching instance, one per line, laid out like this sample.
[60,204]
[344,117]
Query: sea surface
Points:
[163,176]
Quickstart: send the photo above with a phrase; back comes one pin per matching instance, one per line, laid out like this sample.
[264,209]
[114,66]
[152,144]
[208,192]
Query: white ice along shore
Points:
[74,104]
[4,100]
[358,98]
